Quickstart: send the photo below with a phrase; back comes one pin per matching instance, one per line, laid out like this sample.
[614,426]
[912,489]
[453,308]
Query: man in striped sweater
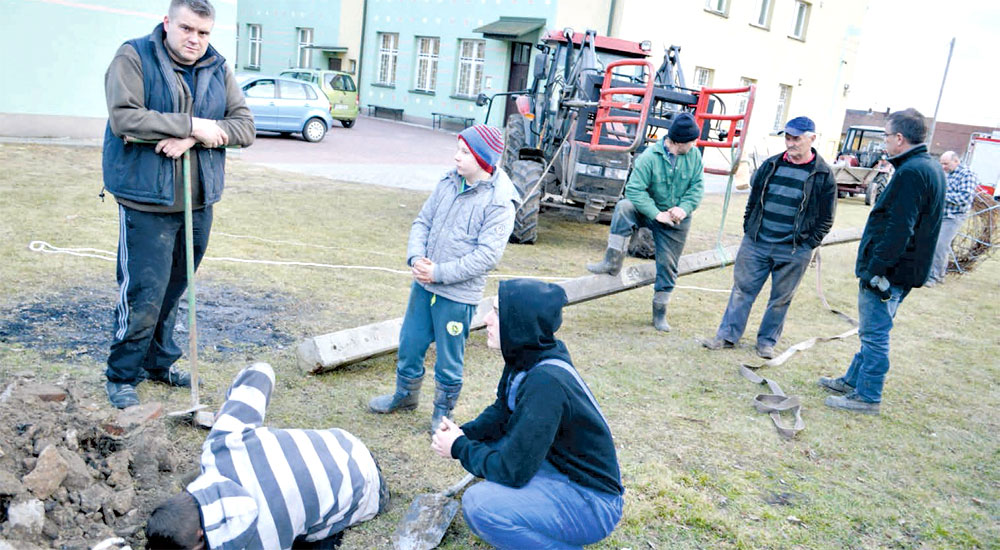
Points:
[793,197]
[266,488]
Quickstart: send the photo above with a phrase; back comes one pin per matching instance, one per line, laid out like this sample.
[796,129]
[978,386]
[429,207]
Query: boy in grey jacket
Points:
[459,236]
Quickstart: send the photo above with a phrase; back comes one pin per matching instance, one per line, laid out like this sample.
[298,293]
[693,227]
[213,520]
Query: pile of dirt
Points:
[74,473]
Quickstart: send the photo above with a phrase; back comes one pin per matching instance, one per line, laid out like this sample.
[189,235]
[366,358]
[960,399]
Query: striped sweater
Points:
[261,488]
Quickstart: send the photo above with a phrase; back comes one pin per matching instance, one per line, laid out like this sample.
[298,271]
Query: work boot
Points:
[611,264]
[121,395]
[171,377]
[445,397]
[835,385]
[852,402]
[660,300]
[765,351]
[717,343]
[405,397]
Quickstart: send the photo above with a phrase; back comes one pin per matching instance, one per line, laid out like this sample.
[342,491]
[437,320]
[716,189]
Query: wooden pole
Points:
[346,347]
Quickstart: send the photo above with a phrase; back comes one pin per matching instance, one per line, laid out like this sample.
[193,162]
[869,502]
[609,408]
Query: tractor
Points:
[593,104]
[862,165]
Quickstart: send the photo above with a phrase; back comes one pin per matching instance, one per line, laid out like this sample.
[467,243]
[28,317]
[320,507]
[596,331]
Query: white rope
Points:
[44,247]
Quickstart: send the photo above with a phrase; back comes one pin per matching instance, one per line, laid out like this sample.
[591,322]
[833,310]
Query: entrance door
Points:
[334,63]
[520,59]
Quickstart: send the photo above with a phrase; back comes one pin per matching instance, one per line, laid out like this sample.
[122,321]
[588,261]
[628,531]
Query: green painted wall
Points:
[279,23]
[55,53]
[451,21]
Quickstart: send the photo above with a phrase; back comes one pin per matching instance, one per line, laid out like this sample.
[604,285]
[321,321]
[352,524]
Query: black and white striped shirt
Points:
[261,488]
[782,201]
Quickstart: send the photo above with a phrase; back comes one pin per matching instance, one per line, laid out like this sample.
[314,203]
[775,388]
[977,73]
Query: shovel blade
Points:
[425,523]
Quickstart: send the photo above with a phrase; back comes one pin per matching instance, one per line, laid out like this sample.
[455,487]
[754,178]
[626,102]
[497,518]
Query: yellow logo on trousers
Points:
[454,328]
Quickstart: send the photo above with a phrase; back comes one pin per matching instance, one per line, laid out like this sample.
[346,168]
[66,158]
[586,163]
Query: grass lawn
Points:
[702,469]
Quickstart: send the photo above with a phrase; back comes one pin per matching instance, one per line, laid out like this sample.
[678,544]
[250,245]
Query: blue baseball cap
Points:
[799,125]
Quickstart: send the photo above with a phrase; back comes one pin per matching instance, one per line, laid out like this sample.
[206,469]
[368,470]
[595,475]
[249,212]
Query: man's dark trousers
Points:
[152,276]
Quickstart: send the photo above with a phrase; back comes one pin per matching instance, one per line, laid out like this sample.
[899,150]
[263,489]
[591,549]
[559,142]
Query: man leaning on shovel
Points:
[173,87]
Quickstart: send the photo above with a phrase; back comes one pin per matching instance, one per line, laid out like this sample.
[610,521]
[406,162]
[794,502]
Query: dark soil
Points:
[77,322]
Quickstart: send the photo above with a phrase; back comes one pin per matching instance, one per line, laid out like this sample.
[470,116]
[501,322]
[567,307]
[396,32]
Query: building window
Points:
[470,67]
[801,19]
[781,115]
[763,13]
[703,77]
[305,48]
[744,98]
[427,63]
[253,55]
[388,49]
[720,7]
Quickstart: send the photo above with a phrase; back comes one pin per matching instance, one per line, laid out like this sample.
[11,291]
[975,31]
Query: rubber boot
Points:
[445,397]
[611,264]
[660,300]
[404,399]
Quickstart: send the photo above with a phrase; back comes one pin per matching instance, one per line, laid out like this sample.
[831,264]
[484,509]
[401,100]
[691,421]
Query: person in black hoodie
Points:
[544,446]
[894,256]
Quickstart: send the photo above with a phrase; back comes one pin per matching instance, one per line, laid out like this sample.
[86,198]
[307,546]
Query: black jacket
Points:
[553,418]
[903,226]
[819,202]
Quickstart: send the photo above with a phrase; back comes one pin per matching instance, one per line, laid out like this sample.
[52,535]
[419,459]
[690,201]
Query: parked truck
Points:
[983,157]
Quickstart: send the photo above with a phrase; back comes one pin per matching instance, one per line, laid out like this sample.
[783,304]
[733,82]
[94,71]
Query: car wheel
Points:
[314,130]
[348,123]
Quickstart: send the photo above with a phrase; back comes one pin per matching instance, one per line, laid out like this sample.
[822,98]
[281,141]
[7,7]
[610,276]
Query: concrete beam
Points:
[345,347]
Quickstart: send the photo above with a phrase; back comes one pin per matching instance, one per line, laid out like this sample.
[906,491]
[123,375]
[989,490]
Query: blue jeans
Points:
[152,276]
[549,512]
[754,263]
[432,318]
[871,363]
[669,240]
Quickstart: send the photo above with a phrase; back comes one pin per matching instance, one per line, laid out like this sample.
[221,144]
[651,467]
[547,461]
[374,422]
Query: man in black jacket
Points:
[792,201]
[544,447]
[894,256]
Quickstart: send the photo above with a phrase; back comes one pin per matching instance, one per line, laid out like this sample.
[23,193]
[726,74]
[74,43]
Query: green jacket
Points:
[655,186]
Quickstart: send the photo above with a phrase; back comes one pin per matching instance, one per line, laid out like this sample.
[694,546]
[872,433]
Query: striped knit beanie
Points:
[486,144]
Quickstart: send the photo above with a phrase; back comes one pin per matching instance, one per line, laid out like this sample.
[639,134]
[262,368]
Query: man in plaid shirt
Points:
[962,183]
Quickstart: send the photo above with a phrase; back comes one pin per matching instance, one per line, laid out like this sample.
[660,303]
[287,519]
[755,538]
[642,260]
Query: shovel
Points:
[198,416]
[429,516]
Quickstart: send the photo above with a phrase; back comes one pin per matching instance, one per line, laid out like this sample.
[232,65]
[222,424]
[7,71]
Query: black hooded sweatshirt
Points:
[553,418]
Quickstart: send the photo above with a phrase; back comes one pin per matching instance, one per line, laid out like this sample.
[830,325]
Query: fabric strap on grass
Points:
[777,402]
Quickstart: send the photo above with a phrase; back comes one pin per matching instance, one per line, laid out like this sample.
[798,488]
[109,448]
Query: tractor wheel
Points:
[525,175]
[875,188]
[515,141]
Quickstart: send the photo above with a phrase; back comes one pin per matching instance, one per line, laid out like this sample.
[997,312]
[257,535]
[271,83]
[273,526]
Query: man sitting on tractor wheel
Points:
[664,188]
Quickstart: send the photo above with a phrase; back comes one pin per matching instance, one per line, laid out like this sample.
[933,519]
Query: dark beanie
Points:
[683,129]
[485,143]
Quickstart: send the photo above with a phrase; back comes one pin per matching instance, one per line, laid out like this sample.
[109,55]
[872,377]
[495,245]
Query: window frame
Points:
[783,102]
[254,45]
[712,6]
[745,97]
[426,64]
[305,51]
[388,58]
[762,6]
[707,71]
[471,66]
[800,20]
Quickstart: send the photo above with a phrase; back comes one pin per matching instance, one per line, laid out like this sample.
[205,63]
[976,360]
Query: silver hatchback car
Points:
[286,105]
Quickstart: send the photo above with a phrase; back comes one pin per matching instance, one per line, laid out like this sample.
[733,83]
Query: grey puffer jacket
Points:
[464,233]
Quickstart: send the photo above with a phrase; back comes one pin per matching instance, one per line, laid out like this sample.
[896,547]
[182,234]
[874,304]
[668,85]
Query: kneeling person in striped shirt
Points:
[268,488]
